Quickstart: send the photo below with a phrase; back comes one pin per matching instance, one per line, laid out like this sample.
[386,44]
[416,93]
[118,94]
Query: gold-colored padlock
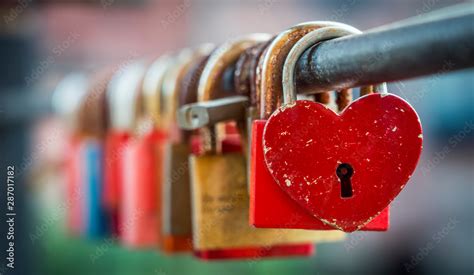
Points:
[176,198]
[219,182]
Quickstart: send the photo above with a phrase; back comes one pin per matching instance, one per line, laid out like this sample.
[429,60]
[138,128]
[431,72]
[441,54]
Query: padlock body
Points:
[115,145]
[221,208]
[264,191]
[176,223]
[139,210]
[95,219]
[232,144]
[176,198]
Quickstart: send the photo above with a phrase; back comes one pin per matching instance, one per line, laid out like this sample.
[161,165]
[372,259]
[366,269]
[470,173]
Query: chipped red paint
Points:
[379,135]
[271,207]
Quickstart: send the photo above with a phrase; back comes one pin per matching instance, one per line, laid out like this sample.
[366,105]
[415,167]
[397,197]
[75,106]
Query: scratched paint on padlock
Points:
[344,169]
[287,213]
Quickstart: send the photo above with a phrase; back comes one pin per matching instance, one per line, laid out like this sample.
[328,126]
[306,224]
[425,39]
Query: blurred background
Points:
[432,221]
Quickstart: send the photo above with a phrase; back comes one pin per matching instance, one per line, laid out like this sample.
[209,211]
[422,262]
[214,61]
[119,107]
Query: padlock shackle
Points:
[93,111]
[211,78]
[123,96]
[169,89]
[172,80]
[67,97]
[152,88]
[308,40]
[224,56]
[269,84]
[246,72]
[313,38]
[189,85]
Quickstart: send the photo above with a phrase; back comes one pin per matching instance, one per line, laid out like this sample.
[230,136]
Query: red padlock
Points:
[66,101]
[356,162]
[115,144]
[140,203]
[263,188]
[136,189]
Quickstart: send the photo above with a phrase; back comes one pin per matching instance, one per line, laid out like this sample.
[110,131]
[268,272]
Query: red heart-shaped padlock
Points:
[344,169]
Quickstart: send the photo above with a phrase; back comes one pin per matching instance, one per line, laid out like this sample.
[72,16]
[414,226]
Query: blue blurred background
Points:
[432,221]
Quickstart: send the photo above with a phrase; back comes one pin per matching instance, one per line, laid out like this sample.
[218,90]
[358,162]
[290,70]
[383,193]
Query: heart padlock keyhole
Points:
[344,172]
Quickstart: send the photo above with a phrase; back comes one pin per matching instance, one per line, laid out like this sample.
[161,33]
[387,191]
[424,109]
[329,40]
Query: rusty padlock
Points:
[263,188]
[188,94]
[245,78]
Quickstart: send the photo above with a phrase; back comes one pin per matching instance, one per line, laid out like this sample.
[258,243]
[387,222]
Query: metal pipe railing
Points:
[411,48]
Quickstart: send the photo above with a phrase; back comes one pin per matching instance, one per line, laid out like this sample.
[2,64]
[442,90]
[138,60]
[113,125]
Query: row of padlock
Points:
[164,153]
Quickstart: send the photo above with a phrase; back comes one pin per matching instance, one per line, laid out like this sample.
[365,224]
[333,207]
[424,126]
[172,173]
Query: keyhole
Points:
[344,172]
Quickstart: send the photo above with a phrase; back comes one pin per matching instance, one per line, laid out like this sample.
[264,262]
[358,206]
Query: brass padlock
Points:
[219,182]
[176,200]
